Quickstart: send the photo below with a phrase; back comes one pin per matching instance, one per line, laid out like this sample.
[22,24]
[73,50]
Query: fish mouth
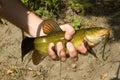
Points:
[96,39]
[105,32]
[92,41]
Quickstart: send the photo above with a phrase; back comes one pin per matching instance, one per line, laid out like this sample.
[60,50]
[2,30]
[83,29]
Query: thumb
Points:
[69,31]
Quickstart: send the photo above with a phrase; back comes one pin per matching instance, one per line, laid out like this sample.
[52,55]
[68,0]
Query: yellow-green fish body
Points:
[92,36]
[41,43]
[95,34]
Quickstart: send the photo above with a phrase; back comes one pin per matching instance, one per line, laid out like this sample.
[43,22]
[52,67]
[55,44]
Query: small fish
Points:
[90,36]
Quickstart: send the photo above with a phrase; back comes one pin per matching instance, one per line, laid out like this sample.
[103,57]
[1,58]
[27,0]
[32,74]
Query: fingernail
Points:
[82,49]
[63,59]
[68,37]
[69,44]
[53,57]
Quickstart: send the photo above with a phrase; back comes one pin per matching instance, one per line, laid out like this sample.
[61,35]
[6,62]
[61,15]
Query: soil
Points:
[86,68]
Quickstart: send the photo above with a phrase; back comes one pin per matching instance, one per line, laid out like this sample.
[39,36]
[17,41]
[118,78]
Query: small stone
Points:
[30,69]
[103,76]
[73,65]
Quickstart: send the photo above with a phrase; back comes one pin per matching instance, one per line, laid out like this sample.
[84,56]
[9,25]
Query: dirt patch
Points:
[87,67]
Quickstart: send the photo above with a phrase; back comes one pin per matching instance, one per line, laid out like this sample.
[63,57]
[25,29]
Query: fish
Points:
[39,45]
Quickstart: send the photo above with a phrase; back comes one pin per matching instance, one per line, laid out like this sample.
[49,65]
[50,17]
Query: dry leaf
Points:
[9,71]
[73,65]
[104,75]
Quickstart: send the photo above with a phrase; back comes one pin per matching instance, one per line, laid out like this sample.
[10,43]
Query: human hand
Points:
[69,32]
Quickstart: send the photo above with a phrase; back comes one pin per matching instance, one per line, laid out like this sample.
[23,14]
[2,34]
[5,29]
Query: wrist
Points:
[34,25]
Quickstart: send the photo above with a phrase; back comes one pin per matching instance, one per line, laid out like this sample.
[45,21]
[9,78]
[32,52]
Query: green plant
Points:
[3,21]
[44,8]
[75,22]
[80,6]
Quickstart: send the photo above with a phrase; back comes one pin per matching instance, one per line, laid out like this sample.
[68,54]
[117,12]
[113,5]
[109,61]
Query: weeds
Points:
[44,8]
[53,8]
[80,6]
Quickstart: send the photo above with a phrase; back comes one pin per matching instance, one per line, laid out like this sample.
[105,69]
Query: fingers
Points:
[69,31]
[82,49]
[60,51]
[51,51]
[72,51]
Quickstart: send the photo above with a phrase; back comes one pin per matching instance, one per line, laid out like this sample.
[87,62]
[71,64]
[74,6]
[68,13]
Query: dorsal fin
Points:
[37,57]
[50,26]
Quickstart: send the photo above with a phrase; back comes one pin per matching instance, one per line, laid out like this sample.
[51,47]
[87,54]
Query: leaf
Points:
[9,71]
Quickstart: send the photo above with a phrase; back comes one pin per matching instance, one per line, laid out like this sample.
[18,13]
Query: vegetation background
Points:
[80,14]
[56,9]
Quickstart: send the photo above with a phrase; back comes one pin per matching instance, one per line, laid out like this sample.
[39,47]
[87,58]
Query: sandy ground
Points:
[87,67]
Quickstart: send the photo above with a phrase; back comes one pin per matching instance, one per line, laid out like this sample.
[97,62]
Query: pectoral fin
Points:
[37,57]
[90,50]
[50,26]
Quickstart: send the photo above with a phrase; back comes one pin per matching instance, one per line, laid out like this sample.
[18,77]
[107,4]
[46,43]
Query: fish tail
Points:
[27,46]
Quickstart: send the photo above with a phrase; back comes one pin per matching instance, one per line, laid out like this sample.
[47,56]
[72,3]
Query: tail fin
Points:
[27,46]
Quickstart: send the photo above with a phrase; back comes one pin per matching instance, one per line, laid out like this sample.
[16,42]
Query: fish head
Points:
[94,36]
